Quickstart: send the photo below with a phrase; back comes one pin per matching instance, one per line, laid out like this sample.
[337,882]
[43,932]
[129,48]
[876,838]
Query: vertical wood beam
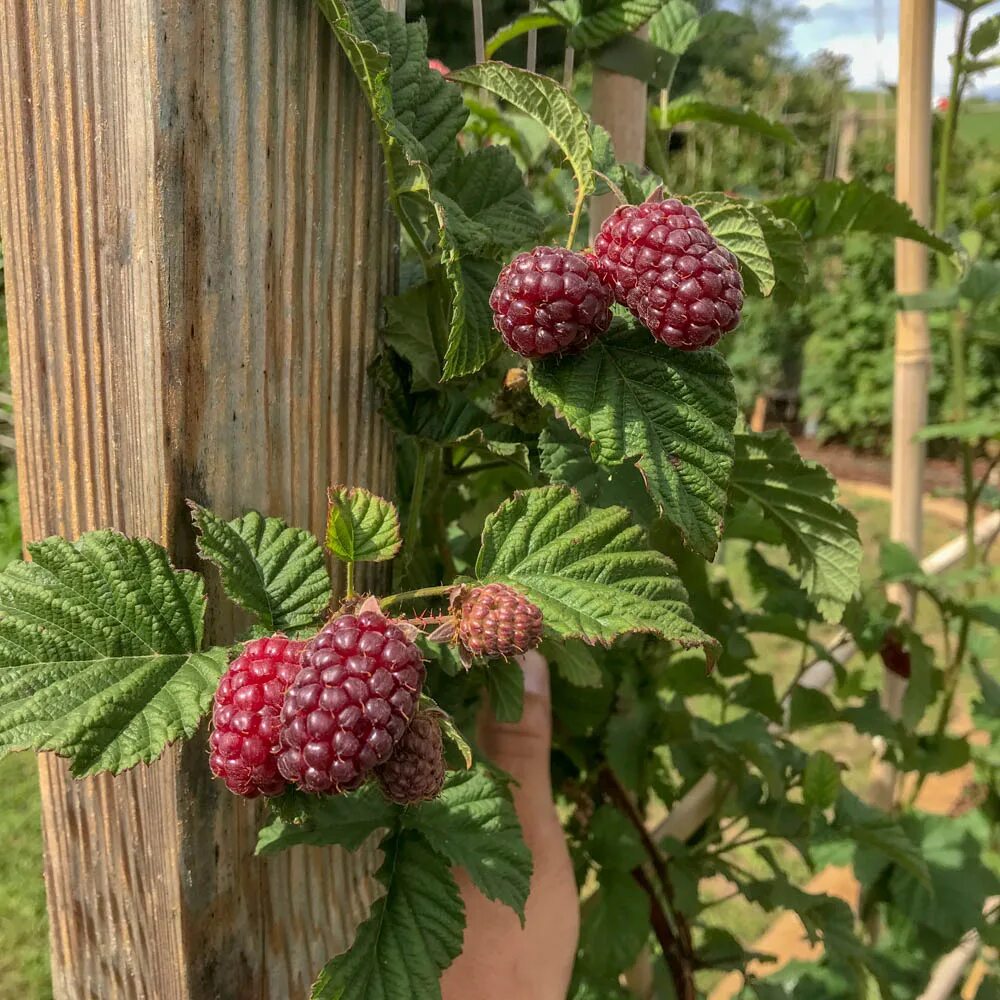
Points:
[196,244]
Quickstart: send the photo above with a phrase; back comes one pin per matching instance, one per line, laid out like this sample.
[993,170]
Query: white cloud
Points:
[856,39]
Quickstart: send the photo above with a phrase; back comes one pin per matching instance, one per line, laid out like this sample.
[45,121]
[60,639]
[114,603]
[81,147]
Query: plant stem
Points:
[416,497]
[577,212]
[950,122]
[683,978]
[415,595]
[350,579]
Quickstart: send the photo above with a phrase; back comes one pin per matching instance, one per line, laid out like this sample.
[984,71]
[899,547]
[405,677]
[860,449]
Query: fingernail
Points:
[536,674]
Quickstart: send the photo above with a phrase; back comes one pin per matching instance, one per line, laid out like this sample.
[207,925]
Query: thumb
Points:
[522,748]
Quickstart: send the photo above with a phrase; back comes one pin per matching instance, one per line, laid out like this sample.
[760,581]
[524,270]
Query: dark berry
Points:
[550,301]
[495,621]
[350,703]
[415,771]
[895,656]
[662,263]
[245,719]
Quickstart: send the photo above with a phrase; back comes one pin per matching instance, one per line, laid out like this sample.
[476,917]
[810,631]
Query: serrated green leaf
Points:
[319,821]
[984,35]
[474,825]
[609,19]
[495,211]
[548,103]
[472,341]
[524,24]
[408,332]
[274,571]
[832,208]
[737,228]
[589,571]
[668,412]
[787,251]
[411,935]
[361,527]
[675,27]
[800,497]
[612,841]
[872,828]
[505,686]
[574,661]
[820,781]
[695,109]
[100,655]
[614,927]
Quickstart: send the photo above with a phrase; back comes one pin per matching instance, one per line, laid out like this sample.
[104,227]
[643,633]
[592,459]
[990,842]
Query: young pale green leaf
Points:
[548,103]
[320,821]
[275,572]
[524,24]
[675,27]
[801,499]
[505,687]
[984,428]
[694,109]
[100,652]
[590,572]
[820,781]
[609,20]
[474,825]
[832,208]
[737,228]
[671,413]
[490,209]
[361,527]
[412,934]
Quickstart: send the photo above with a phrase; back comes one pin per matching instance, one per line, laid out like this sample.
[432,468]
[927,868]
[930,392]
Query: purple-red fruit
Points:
[350,703]
[415,771]
[496,621]
[245,716]
[550,301]
[661,262]
[895,656]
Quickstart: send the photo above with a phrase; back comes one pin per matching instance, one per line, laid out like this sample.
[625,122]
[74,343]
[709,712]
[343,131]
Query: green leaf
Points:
[612,841]
[786,250]
[99,652]
[984,35]
[408,332]
[361,527]
[548,103]
[801,499]
[832,208]
[491,210]
[275,572]
[589,571]
[820,781]
[473,824]
[668,412]
[574,661]
[412,934]
[505,686]
[614,926]
[524,24]
[981,282]
[694,109]
[319,821]
[609,20]
[737,228]
[472,341]
[675,27]
[877,831]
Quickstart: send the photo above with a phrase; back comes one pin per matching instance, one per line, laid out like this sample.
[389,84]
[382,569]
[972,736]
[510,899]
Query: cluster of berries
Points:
[328,714]
[658,259]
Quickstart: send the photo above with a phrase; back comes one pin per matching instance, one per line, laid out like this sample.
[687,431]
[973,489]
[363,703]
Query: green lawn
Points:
[23,931]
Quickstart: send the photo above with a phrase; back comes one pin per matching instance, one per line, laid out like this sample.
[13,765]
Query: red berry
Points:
[415,771]
[550,301]
[660,260]
[895,656]
[245,718]
[495,621]
[350,703]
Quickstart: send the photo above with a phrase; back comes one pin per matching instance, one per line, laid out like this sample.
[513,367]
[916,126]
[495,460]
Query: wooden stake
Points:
[196,242]
[913,355]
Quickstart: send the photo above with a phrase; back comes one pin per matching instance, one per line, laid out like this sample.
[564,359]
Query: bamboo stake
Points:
[531,60]
[913,355]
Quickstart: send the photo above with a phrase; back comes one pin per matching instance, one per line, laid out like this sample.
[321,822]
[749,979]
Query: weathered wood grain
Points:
[196,242]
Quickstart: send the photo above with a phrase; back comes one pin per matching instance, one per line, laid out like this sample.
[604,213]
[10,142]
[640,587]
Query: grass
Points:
[23,931]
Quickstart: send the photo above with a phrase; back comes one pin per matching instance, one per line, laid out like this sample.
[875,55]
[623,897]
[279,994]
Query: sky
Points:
[848,27]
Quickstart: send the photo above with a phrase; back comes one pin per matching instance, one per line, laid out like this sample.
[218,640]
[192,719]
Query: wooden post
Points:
[847,139]
[913,355]
[196,243]
[619,104]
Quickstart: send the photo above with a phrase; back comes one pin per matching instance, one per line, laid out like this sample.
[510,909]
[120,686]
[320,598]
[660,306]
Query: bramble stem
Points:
[575,224]
[416,497]
[350,579]
[415,595]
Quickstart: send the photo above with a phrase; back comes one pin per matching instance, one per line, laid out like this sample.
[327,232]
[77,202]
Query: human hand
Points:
[500,959]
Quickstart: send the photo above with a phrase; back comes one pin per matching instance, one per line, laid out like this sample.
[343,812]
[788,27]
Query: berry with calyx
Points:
[662,263]
[495,621]
[246,713]
[351,702]
[550,301]
[415,771]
